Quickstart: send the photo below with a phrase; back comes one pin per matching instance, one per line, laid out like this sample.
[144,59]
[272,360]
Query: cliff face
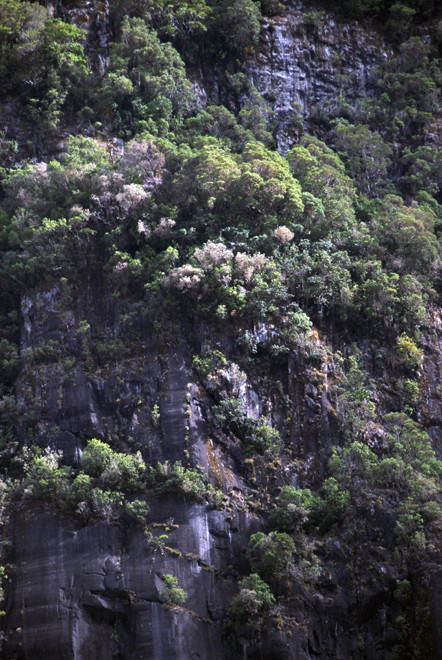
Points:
[79,587]
[93,589]
[306,66]
[79,591]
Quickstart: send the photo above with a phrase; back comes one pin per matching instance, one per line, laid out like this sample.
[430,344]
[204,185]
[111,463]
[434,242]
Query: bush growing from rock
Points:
[172,594]
[253,601]
[271,555]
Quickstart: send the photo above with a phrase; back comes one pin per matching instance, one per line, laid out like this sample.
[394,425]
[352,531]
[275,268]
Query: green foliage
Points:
[125,471]
[406,235]
[145,87]
[409,91]
[253,602]
[157,543]
[200,215]
[264,439]
[229,413]
[96,458]
[172,593]
[383,9]
[258,436]
[330,509]
[403,591]
[239,192]
[42,51]
[421,170]
[321,174]
[45,478]
[181,22]
[208,364]
[401,19]
[8,422]
[404,461]
[400,462]
[354,399]
[409,530]
[167,478]
[81,489]
[271,555]
[156,416]
[409,354]
[9,361]
[365,153]
[241,25]
[318,276]
[294,507]
[102,505]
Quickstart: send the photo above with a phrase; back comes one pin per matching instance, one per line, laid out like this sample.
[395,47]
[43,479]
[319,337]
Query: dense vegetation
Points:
[201,216]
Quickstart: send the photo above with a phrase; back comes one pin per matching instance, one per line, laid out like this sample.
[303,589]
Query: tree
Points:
[42,58]
[365,153]
[322,174]
[145,87]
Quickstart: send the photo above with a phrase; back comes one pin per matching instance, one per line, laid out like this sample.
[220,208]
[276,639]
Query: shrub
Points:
[409,530]
[310,568]
[9,361]
[271,555]
[403,592]
[409,353]
[145,86]
[126,471]
[293,509]
[263,439]
[81,489]
[167,478]
[330,508]
[102,504]
[253,601]
[138,509]
[229,412]
[96,457]
[157,543]
[172,593]
[209,363]
[45,478]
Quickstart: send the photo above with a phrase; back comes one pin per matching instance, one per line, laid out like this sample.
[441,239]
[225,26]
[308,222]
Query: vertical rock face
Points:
[305,63]
[93,590]
[431,403]
[93,17]
[80,591]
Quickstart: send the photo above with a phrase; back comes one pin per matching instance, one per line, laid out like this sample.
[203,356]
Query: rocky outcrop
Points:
[430,405]
[307,63]
[95,591]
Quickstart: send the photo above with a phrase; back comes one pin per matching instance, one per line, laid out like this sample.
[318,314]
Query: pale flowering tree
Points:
[248,265]
[184,278]
[131,197]
[283,235]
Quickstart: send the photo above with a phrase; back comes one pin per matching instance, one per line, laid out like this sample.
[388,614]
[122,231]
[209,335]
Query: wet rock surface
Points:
[304,64]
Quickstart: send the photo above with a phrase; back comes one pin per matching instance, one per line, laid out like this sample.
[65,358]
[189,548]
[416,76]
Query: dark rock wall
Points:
[78,591]
[93,592]
[304,65]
